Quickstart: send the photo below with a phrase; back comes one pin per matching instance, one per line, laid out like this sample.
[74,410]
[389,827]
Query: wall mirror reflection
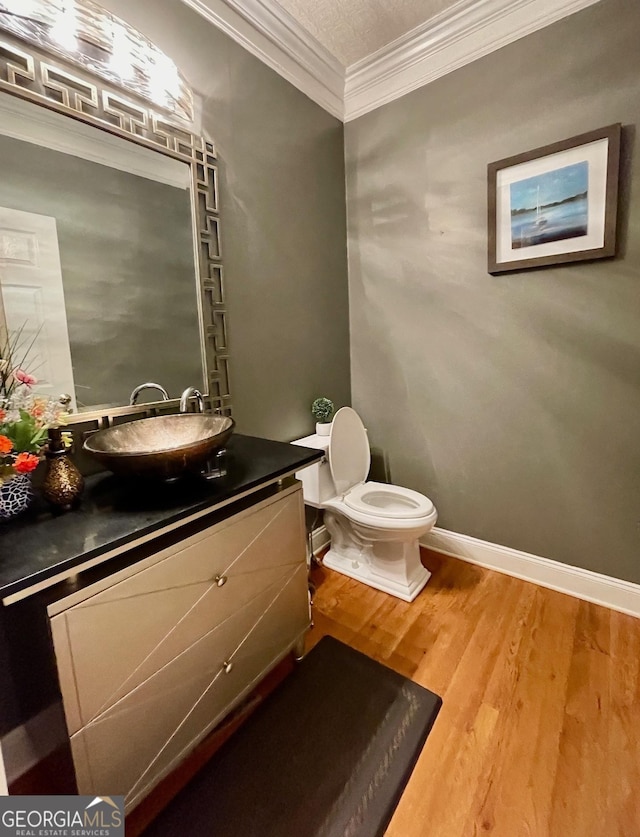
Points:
[109,242]
[96,259]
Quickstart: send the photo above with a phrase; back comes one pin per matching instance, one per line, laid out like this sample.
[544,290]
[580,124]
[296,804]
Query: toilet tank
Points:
[317,485]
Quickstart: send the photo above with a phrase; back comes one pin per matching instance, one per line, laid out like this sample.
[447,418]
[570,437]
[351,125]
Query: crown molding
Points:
[461,34]
[457,36]
[270,33]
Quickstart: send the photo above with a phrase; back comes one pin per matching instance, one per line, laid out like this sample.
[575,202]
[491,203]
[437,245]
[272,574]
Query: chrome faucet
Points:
[133,398]
[186,395]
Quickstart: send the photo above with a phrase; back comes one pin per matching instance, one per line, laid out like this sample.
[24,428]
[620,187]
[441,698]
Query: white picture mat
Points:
[595,154]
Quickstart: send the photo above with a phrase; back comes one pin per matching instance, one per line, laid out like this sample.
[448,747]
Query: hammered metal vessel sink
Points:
[161,446]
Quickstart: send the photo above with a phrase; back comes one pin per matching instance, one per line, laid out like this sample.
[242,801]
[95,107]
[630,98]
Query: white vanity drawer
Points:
[135,742]
[141,661]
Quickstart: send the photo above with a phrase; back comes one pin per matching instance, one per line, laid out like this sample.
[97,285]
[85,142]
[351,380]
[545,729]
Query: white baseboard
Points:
[319,539]
[575,581]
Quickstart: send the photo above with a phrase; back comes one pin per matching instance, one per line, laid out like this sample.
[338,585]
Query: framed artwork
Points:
[555,204]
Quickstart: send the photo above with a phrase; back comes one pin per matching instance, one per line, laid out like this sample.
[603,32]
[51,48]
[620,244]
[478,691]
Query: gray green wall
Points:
[512,401]
[283,222]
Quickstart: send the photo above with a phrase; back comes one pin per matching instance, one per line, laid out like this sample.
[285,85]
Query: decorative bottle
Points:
[63,483]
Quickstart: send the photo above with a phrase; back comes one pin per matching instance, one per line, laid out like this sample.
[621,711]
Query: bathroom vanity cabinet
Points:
[151,658]
[155,641]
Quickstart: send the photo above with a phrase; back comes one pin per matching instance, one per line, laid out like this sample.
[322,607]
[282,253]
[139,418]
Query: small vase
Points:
[323,428]
[63,483]
[15,496]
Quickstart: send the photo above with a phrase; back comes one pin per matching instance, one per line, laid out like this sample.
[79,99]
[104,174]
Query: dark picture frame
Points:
[556,204]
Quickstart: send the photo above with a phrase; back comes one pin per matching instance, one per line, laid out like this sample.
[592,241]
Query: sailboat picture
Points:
[555,204]
[550,207]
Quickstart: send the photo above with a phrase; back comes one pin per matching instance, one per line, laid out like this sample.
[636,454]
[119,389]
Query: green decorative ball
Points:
[322,410]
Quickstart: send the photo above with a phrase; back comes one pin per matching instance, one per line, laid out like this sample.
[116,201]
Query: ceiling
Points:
[354,29]
[352,56]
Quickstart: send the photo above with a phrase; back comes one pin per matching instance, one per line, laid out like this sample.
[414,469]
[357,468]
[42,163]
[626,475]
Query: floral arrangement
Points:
[25,417]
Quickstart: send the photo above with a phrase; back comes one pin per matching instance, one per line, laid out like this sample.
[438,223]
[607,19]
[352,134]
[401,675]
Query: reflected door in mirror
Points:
[33,300]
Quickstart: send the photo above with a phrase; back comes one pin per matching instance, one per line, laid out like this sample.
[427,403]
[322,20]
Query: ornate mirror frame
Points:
[34,75]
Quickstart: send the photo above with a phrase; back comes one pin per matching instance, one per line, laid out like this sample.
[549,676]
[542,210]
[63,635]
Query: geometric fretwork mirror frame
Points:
[37,77]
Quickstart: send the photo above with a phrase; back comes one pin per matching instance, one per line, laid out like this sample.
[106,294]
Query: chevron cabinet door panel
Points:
[240,671]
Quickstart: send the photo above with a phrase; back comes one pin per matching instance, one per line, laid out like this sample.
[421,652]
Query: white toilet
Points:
[374,527]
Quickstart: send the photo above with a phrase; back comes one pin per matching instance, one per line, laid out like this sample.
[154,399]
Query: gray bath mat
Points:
[327,755]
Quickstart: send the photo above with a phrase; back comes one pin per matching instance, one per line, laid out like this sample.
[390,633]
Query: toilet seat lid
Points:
[349,455]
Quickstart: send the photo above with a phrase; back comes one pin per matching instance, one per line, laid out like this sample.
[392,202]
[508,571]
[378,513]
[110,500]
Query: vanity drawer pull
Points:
[227,666]
[220,580]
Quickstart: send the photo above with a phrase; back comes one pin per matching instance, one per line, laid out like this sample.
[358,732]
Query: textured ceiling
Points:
[353,29]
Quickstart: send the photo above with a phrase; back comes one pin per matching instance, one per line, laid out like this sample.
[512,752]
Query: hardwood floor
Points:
[538,733]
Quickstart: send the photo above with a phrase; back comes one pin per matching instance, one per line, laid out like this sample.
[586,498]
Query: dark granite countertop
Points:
[115,512]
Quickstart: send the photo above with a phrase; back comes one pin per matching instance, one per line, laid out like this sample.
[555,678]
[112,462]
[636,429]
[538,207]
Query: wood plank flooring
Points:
[538,733]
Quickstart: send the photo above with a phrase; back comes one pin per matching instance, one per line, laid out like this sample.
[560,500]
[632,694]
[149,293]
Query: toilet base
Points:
[403,576]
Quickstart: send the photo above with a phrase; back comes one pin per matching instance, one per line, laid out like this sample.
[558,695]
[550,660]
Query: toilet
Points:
[374,527]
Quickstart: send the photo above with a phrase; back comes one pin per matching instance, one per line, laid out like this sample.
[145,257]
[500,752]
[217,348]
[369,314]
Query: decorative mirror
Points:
[110,255]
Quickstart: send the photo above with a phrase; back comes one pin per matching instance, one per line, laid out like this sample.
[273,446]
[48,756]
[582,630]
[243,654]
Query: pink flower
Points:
[24,377]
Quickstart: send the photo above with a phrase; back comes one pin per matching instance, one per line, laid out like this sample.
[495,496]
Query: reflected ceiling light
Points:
[121,60]
[65,26]
[21,7]
[88,36]
[164,81]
